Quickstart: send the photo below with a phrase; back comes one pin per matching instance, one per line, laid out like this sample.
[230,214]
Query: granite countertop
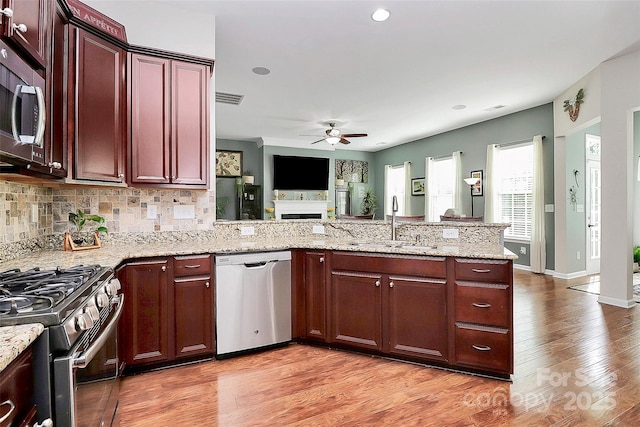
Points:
[112,255]
[15,339]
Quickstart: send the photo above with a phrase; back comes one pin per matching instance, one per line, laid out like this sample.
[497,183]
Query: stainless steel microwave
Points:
[22,109]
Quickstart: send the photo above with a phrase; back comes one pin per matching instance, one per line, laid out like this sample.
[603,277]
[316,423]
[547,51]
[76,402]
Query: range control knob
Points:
[102,299]
[112,287]
[83,322]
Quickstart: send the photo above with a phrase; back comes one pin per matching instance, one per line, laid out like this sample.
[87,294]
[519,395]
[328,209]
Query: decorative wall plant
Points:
[573,106]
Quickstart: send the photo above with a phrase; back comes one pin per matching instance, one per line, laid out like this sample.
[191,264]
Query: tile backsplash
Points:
[125,209]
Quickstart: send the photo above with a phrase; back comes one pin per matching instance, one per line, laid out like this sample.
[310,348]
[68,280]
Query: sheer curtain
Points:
[457,184]
[407,188]
[491,198]
[538,251]
[428,167]
[387,190]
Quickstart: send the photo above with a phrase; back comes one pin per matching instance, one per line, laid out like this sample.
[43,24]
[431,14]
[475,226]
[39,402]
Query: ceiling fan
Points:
[334,135]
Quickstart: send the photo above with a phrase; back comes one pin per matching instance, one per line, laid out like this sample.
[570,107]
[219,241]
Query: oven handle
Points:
[89,354]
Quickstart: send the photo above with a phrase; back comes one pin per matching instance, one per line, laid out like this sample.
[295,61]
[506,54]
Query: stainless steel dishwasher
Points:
[253,301]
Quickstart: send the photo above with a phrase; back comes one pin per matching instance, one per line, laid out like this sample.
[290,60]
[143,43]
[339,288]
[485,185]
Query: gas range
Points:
[67,301]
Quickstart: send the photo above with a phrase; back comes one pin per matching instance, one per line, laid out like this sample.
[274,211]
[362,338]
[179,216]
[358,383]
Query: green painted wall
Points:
[251,161]
[636,198]
[472,141]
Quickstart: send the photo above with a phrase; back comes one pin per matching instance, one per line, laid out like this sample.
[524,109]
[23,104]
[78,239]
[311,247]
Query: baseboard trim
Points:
[616,302]
[567,276]
[528,268]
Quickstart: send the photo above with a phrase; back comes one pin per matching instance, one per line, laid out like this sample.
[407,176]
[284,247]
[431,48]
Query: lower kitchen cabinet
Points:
[315,295]
[16,392]
[168,314]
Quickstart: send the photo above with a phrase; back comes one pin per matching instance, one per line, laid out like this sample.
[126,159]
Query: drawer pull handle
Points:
[192,266]
[481,347]
[12,406]
[481,270]
[481,305]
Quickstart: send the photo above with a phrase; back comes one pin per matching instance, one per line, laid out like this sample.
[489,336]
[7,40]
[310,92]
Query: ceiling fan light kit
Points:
[334,135]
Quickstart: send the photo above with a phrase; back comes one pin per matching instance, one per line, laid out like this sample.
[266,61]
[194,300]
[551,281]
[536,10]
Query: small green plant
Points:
[369,203]
[80,219]
[636,254]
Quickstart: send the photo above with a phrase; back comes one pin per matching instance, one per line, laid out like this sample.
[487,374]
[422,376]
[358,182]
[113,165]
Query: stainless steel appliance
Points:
[22,109]
[253,301]
[80,308]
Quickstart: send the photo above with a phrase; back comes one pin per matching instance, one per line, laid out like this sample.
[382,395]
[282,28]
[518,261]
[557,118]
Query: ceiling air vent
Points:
[229,98]
[495,107]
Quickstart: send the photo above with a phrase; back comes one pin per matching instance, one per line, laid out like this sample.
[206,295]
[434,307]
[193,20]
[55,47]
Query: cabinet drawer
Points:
[419,266]
[192,265]
[483,270]
[487,304]
[484,347]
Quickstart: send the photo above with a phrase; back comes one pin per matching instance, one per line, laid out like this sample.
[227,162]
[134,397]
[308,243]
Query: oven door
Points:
[86,381]
[22,109]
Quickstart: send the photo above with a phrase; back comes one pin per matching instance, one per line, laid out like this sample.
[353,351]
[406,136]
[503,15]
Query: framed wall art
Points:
[228,164]
[417,186]
[476,189]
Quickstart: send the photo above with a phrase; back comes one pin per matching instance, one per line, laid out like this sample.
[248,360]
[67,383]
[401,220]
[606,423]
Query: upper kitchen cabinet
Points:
[25,24]
[169,111]
[96,107]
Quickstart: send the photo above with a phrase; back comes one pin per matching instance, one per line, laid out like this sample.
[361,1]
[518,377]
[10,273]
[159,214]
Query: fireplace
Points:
[301,209]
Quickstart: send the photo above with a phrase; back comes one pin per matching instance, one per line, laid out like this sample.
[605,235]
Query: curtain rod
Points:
[506,144]
[445,156]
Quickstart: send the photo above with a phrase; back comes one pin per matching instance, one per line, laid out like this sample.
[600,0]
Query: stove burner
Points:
[24,304]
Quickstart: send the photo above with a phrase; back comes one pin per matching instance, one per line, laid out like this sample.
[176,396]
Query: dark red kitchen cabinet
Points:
[27,29]
[315,294]
[98,108]
[169,113]
[146,322]
[194,316]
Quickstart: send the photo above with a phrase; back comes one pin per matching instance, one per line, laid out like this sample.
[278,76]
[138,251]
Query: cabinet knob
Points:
[321,260]
[46,423]
[20,27]
[377,283]
[173,178]
[166,177]
[7,12]
[120,175]
[207,284]
[3,53]
[55,165]
[391,284]
[164,268]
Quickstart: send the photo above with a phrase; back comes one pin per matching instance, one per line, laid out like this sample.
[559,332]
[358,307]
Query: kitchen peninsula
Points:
[458,287]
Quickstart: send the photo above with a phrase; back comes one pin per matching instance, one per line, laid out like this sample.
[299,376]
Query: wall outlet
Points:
[34,213]
[549,208]
[247,231]
[318,229]
[450,233]
[523,250]
[184,211]
[579,208]
[578,255]
[152,211]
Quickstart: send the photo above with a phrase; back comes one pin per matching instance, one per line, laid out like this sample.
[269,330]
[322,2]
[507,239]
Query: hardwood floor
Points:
[577,363]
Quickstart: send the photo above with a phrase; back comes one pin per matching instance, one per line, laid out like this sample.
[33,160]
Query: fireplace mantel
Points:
[301,207]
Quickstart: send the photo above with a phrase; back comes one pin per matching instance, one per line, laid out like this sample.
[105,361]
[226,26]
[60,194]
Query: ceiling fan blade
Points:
[344,141]
[353,135]
[315,142]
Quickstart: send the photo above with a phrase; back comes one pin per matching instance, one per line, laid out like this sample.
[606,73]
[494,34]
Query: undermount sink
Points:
[419,246]
[377,244]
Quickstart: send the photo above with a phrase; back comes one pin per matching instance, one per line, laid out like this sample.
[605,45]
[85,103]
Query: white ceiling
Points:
[398,80]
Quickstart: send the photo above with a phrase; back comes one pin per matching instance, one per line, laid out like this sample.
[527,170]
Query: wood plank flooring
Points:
[577,363]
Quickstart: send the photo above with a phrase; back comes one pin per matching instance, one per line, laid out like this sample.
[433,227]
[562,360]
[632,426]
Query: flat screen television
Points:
[300,173]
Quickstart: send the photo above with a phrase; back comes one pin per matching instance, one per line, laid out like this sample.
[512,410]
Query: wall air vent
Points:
[229,98]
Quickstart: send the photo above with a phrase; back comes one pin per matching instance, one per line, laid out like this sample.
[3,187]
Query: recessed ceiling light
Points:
[261,71]
[459,107]
[380,15]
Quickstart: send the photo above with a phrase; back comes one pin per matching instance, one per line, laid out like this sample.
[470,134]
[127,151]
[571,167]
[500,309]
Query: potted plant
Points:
[636,258]
[368,204]
[80,219]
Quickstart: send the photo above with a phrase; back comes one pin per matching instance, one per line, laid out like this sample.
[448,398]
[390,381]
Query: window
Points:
[395,185]
[442,178]
[514,169]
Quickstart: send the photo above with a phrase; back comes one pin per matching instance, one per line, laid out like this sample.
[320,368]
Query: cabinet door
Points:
[149,94]
[148,313]
[100,125]
[194,316]
[315,296]
[32,17]
[189,123]
[417,322]
[356,312]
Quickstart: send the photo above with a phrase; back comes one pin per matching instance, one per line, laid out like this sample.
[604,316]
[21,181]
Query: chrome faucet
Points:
[394,209]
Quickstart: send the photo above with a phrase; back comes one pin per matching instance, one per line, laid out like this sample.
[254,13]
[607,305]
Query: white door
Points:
[593,204]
